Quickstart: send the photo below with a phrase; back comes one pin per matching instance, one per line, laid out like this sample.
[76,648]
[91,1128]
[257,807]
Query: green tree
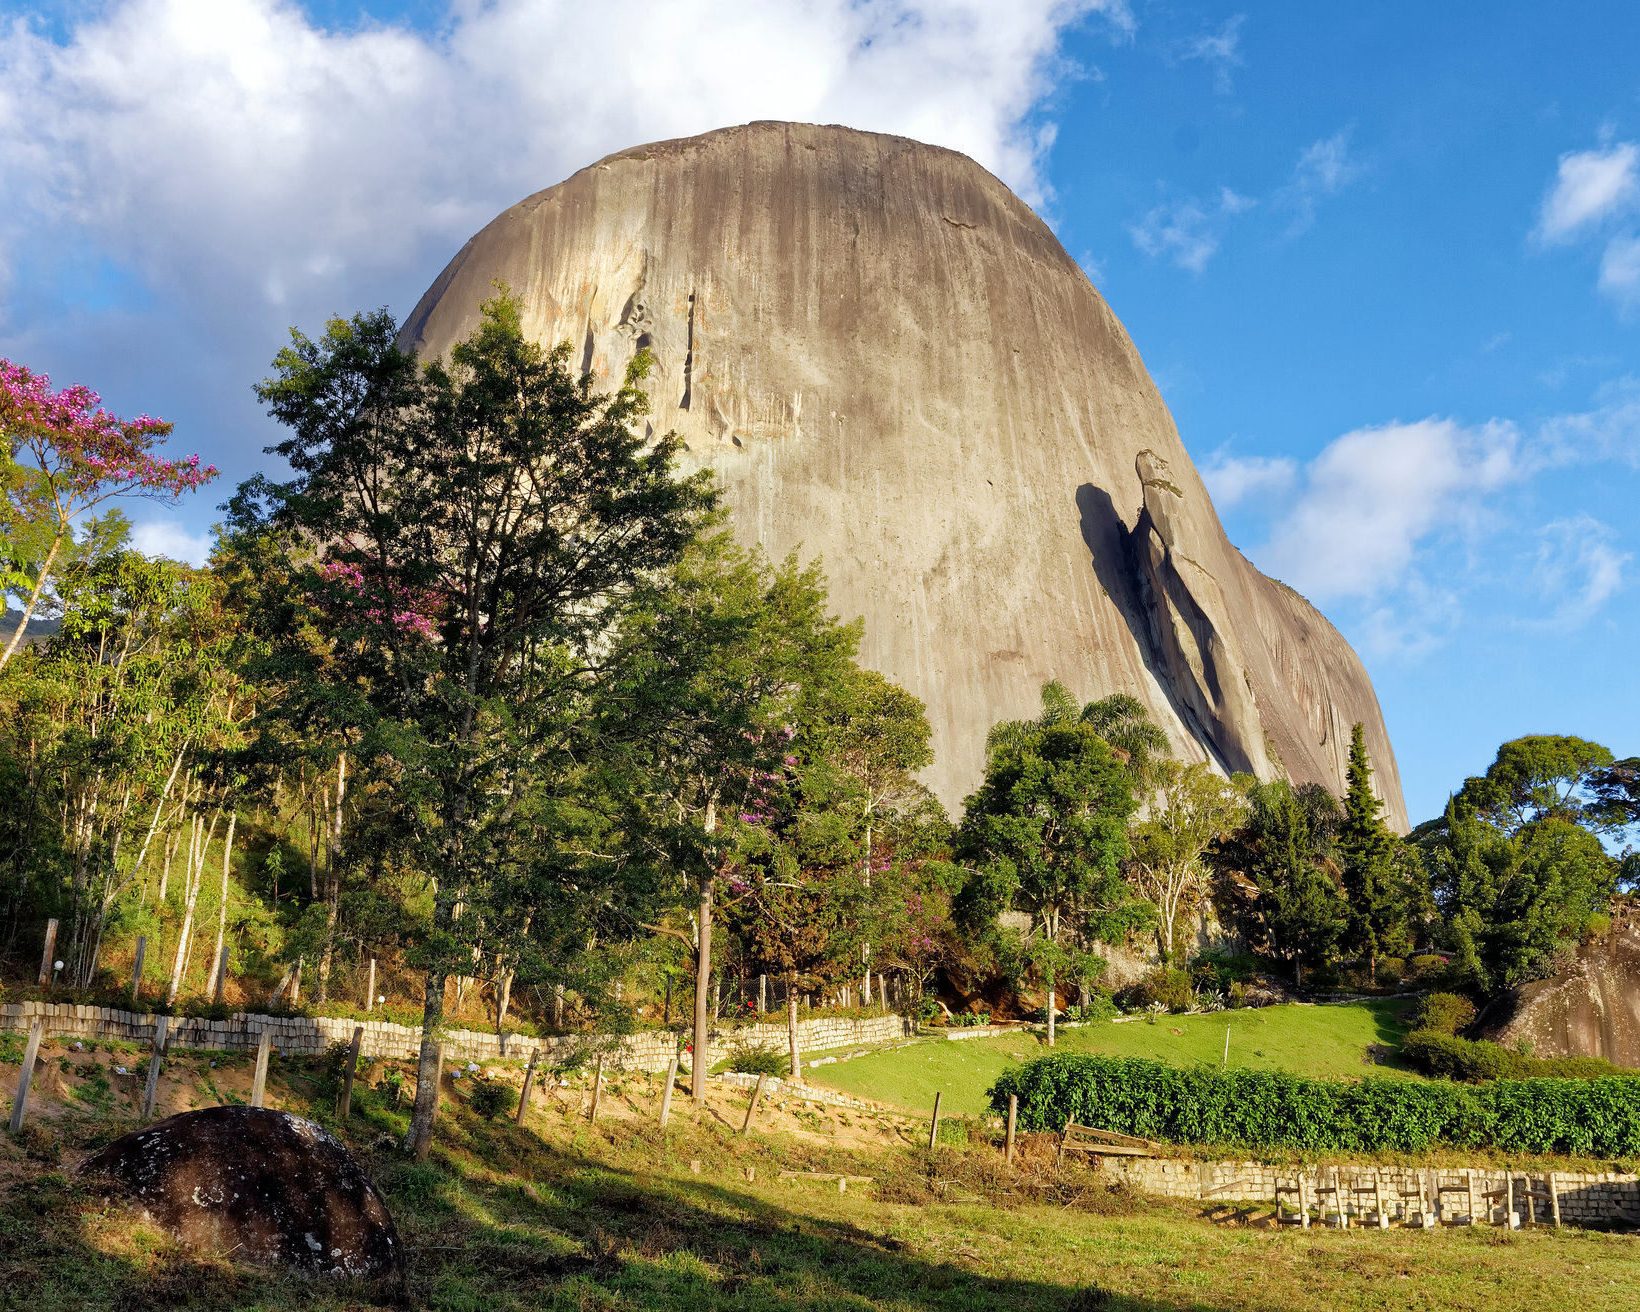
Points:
[1280,871]
[1121,720]
[1193,808]
[472,531]
[1046,833]
[1538,777]
[1372,871]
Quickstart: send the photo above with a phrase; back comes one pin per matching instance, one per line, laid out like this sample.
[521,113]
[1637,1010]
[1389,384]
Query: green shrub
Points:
[1272,1109]
[1448,1057]
[1165,988]
[489,1098]
[1444,1013]
[1099,1006]
[755,1059]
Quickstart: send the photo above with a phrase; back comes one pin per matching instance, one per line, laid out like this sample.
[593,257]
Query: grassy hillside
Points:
[1325,1041]
[624,1216]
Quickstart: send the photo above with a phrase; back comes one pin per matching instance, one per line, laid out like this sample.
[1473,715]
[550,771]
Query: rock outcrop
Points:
[1591,1007]
[892,364]
[264,1186]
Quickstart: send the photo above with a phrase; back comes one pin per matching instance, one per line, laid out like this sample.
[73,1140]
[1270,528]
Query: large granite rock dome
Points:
[893,364]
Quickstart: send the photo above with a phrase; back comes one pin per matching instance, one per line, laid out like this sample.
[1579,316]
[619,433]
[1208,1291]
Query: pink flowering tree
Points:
[64,456]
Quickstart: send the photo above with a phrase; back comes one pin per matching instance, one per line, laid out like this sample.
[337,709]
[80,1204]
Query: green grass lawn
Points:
[1329,1042]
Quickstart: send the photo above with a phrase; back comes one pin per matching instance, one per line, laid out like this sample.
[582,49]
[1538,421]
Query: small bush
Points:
[1444,1013]
[489,1098]
[756,1059]
[1425,967]
[1099,1006]
[1165,988]
[971,1019]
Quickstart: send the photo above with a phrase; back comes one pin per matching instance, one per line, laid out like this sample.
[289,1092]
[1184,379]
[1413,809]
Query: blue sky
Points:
[1383,260]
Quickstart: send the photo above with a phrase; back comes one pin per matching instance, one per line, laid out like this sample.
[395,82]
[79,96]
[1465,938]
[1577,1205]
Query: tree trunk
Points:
[418,1140]
[222,908]
[700,1059]
[333,880]
[1052,1028]
[791,1031]
[33,598]
[190,895]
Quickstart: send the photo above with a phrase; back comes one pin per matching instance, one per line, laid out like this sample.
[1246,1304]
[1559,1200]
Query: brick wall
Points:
[304,1036]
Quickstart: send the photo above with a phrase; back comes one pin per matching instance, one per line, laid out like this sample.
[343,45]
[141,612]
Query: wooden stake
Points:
[1013,1112]
[934,1125]
[370,987]
[597,1087]
[751,1106]
[529,1074]
[1554,1198]
[1509,1199]
[1469,1193]
[151,1089]
[46,956]
[762,994]
[136,968]
[1226,1060]
[666,1091]
[345,1107]
[296,985]
[25,1074]
[1378,1197]
[259,1081]
[1338,1200]
[1303,1201]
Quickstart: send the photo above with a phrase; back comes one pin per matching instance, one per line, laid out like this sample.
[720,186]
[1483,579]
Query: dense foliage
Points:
[1270,1109]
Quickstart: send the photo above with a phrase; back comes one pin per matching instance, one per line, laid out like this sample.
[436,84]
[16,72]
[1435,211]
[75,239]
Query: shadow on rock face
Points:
[258,1185]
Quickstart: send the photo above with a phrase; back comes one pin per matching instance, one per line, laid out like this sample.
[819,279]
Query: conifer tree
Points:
[1372,880]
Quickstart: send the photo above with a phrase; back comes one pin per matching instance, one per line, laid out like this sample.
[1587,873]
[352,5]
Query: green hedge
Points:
[1448,1057]
[1271,1109]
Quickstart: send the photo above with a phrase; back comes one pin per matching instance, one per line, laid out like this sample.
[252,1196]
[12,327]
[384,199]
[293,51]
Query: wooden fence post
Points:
[346,1106]
[1469,1195]
[762,994]
[151,1090]
[934,1125]
[45,956]
[296,984]
[529,1074]
[259,1081]
[666,1092]
[1013,1111]
[136,968]
[221,975]
[1303,1202]
[370,988]
[25,1073]
[1554,1198]
[597,1087]
[751,1106]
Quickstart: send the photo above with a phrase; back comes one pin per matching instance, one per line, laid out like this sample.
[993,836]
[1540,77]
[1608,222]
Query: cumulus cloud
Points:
[247,167]
[1578,568]
[168,538]
[1232,480]
[1373,497]
[1590,186]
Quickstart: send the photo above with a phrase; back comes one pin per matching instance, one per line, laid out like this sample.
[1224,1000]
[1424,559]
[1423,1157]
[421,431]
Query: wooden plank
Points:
[25,1074]
[370,987]
[345,1107]
[150,1091]
[934,1125]
[529,1075]
[751,1104]
[46,956]
[666,1090]
[259,1081]
[597,1087]
[1013,1113]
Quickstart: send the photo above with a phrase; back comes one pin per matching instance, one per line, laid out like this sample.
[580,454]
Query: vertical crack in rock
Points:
[689,356]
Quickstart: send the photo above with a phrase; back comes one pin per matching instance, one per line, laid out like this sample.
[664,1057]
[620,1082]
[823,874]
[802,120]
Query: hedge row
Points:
[1270,1109]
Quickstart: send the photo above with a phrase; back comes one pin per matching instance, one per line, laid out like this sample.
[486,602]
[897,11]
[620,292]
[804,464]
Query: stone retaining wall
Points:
[307,1036]
[1609,1198]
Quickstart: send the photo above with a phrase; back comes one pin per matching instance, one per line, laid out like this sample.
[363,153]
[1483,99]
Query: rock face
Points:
[266,1186]
[1592,1007]
[892,364]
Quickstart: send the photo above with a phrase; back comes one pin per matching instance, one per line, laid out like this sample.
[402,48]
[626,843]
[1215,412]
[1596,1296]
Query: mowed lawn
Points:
[1326,1041]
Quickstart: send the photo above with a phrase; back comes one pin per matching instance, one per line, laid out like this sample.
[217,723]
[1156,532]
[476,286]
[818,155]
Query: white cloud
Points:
[1373,497]
[1578,569]
[1220,51]
[1188,232]
[1590,186]
[1609,430]
[1620,271]
[1232,480]
[1324,168]
[253,168]
[160,537]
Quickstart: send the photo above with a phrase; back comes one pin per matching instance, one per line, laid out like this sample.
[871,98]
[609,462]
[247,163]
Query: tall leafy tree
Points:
[1121,720]
[472,530]
[1373,873]
[1046,833]
[1193,808]
[1539,777]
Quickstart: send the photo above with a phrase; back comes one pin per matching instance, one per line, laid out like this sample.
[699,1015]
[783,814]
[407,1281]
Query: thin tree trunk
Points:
[222,908]
[1051,1007]
[33,598]
[791,1030]
[701,1059]
[189,893]
[333,880]
[418,1140]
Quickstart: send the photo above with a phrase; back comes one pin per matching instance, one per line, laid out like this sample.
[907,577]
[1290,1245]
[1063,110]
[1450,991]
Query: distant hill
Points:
[38,629]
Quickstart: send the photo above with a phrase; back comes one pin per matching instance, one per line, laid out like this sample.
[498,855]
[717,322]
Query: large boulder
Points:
[263,1186]
[1590,1007]
[891,363]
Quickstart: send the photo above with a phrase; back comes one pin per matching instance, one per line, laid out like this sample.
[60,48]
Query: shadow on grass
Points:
[501,1218]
